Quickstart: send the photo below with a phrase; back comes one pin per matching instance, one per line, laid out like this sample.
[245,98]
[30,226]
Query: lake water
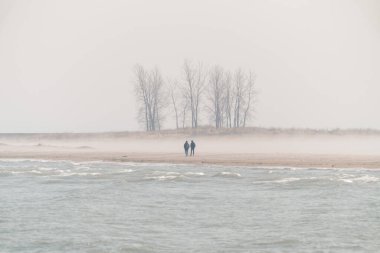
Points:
[62,206]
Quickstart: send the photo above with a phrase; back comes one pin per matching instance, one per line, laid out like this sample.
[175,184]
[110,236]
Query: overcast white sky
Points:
[67,65]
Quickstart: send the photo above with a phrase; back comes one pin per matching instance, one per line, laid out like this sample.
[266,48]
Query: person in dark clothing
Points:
[186,147]
[192,145]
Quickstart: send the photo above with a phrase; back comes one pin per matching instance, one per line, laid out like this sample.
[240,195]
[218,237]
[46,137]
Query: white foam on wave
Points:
[346,180]
[195,173]
[363,179]
[57,172]
[367,178]
[25,172]
[89,174]
[166,172]
[310,168]
[68,174]
[75,163]
[172,173]
[228,174]
[84,163]
[46,168]
[17,172]
[65,174]
[165,177]
[126,171]
[287,180]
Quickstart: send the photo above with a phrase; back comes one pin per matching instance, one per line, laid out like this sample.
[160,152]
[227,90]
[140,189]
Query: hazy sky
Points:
[67,65]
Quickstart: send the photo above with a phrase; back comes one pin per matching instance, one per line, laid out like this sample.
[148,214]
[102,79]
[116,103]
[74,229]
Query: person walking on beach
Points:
[192,145]
[186,147]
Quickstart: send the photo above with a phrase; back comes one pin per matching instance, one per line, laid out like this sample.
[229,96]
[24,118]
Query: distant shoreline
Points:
[250,160]
[201,131]
[255,147]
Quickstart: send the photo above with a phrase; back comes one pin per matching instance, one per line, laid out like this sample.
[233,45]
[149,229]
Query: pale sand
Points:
[256,150]
[254,160]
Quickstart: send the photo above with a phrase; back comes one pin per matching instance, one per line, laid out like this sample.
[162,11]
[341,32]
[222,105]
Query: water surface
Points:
[62,206]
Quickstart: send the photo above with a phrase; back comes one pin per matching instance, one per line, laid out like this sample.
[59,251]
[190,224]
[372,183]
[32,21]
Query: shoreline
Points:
[254,149]
[238,159]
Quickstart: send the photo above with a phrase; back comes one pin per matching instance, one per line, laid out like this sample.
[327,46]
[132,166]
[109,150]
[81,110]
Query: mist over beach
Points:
[249,146]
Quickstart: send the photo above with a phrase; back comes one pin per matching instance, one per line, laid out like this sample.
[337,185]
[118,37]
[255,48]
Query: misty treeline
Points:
[223,97]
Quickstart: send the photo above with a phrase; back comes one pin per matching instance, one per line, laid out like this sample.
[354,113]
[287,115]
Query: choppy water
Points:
[49,206]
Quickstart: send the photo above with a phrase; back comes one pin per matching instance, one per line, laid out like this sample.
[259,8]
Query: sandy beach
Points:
[253,160]
[255,149]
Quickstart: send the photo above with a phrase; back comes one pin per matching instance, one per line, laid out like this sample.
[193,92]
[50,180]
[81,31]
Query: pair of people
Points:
[186,146]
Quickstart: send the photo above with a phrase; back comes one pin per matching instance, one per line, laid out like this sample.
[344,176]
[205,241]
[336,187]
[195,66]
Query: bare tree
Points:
[185,108]
[243,92]
[194,82]
[248,97]
[238,96]
[159,104]
[173,91]
[228,99]
[179,102]
[141,90]
[149,91]
[216,95]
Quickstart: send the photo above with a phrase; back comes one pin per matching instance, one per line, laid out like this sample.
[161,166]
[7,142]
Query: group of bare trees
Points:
[149,91]
[226,97]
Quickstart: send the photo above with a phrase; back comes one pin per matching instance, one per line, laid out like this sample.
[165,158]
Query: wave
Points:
[346,178]
[126,171]
[363,179]
[195,173]
[228,174]
[287,180]
[68,174]
[166,177]
[47,168]
[173,175]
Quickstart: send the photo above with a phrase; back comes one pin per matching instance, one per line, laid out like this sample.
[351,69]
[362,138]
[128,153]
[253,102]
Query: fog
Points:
[67,65]
[255,143]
